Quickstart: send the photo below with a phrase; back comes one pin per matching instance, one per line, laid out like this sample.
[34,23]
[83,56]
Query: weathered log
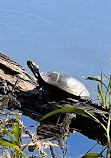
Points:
[15,82]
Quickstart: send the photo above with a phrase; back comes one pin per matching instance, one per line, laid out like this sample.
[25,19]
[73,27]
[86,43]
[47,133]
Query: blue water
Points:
[65,36]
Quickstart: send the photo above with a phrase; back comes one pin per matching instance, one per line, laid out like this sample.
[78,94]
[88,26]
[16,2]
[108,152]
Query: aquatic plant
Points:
[104,95]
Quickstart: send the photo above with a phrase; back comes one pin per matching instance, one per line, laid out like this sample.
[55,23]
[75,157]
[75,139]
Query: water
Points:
[64,36]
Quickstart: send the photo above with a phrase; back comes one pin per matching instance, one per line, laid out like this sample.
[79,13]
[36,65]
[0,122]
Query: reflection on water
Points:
[58,35]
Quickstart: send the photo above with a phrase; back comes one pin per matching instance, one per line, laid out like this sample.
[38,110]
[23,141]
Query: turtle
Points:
[59,83]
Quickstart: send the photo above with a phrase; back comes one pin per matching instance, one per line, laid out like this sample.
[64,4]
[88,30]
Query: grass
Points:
[104,95]
[12,127]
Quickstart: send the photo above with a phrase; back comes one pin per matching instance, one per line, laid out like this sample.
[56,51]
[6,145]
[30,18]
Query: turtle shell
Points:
[66,82]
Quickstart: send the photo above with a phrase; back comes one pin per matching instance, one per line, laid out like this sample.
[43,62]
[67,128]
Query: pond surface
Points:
[59,35]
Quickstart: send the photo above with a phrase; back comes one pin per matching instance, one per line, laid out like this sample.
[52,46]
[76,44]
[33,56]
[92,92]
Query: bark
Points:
[18,89]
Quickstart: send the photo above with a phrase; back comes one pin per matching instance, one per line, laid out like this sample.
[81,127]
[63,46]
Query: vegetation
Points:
[12,128]
[104,95]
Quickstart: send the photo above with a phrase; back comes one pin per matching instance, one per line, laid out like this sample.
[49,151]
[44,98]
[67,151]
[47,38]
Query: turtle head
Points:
[33,67]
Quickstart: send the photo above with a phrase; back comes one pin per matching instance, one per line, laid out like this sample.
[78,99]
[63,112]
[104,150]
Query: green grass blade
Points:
[96,79]
[17,132]
[74,110]
[5,143]
[65,110]
[107,95]
[92,155]
[12,140]
[17,117]
[101,94]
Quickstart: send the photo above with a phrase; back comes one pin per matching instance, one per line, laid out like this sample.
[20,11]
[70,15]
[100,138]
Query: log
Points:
[18,89]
